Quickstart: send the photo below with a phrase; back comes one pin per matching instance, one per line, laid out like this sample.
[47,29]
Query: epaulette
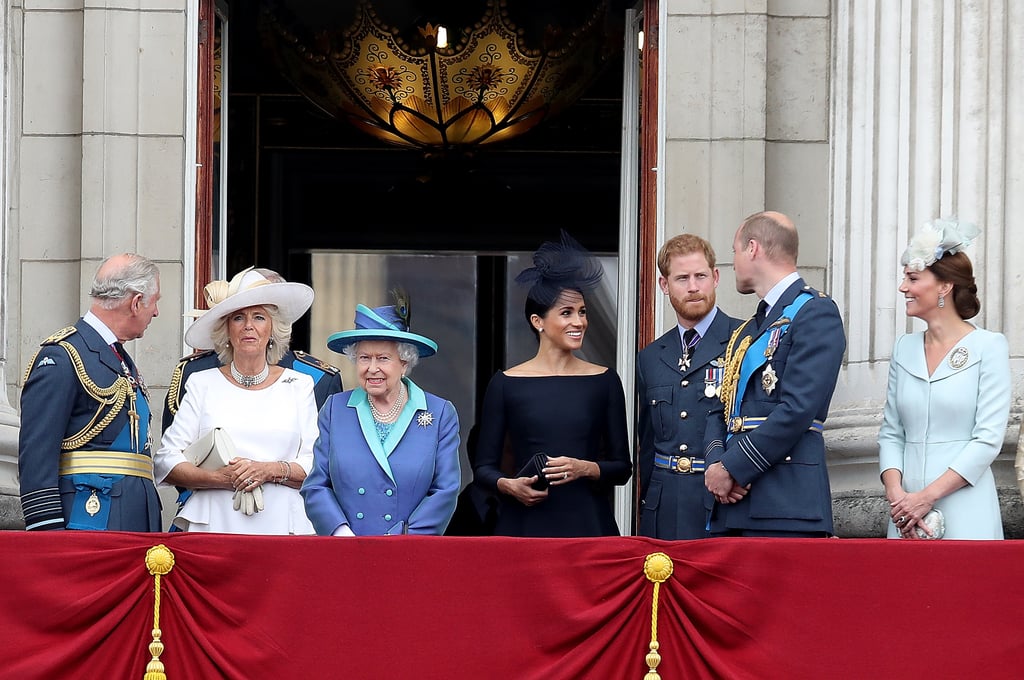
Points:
[198,354]
[62,334]
[815,292]
[314,362]
[174,389]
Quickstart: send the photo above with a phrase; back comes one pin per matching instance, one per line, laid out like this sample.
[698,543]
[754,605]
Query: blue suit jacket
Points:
[782,460]
[410,483]
[54,407]
[673,411]
[326,378]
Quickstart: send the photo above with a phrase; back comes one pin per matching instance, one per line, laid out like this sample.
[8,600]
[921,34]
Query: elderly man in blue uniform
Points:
[326,378]
[678,381]
[84,450]
[766,465]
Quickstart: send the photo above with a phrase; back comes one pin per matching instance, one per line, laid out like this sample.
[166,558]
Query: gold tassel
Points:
[657,568]
[159,561]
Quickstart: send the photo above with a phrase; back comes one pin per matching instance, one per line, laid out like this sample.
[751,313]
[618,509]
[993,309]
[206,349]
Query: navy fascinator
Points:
[560,266]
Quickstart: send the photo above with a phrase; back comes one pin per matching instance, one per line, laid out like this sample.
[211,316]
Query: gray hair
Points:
[280,337]
[138,275]
[407,352]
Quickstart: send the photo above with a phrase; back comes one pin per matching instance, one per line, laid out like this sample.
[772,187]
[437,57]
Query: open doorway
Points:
[305,189]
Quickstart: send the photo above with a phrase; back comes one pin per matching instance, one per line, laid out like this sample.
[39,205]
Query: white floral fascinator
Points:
[935,239]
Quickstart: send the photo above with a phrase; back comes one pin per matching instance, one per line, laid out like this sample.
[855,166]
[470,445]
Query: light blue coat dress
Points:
[408,484]
[955,419]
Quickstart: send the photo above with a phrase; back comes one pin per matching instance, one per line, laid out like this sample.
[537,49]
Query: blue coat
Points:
[409,484]
[55,406]
[784,459]
[673,410]
[954,419]
[326,378]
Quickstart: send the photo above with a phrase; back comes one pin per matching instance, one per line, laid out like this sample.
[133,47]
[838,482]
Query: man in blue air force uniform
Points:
[766,464]
[85,450]
[678,381]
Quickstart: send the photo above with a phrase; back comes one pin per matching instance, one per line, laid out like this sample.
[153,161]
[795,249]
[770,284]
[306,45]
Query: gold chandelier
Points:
[397,78]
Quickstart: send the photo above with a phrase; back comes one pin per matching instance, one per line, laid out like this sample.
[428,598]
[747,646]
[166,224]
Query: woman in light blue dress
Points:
[948,398]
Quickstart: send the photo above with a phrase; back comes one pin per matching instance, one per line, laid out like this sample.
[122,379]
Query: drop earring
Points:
[942,301]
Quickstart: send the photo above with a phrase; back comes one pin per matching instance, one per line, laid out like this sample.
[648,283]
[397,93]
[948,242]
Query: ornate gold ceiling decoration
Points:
[500,75]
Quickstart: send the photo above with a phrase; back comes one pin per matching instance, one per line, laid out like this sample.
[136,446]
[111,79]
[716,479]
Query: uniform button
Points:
[362,491]
[359,515]
[683,447]
[685,383]
[653,402]
[389,492]
[789,457]
[682,414]
[387,517]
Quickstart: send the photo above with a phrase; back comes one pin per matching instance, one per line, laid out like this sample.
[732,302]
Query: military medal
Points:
[684,361]
[769,379]
[690,340]
[773,342]
[92,506]
[959,358]
[713,378]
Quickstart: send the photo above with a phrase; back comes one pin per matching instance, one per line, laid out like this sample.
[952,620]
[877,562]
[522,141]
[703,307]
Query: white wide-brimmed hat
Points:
[247,289]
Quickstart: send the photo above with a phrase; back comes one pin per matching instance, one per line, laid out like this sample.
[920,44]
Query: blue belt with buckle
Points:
[684,465]
[747,423]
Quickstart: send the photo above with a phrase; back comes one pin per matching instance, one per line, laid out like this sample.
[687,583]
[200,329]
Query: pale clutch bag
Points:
[212,451]
[936,522]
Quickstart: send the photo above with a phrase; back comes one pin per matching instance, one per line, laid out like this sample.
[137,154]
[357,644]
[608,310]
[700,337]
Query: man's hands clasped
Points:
[721,484]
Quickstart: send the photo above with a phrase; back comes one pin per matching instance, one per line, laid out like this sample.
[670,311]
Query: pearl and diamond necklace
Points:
[249,380]
[392,412]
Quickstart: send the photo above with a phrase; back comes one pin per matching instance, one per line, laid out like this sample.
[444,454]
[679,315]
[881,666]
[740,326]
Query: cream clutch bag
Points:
[212,451]
[935,521]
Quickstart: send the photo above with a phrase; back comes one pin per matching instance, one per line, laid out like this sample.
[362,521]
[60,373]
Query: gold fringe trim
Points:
[658,568]
[159,561]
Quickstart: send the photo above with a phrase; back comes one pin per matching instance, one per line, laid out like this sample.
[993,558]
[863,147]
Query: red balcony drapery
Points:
[80,604]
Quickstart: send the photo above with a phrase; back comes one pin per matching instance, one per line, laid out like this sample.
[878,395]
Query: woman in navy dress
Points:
[556,404]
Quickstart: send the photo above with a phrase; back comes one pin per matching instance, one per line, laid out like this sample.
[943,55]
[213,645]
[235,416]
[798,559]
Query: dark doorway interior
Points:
[301,181]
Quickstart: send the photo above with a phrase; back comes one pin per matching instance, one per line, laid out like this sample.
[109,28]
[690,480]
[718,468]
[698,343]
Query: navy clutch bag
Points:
[535,466]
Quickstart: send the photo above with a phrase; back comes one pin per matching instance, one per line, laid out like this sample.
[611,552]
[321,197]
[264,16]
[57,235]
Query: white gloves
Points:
[249,502]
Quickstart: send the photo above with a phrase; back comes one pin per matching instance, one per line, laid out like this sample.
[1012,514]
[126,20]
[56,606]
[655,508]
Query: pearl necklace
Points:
[249,380]
[392,412]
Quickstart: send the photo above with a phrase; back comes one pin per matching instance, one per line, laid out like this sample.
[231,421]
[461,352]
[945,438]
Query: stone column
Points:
[97,151]
[10,506]
[924,124]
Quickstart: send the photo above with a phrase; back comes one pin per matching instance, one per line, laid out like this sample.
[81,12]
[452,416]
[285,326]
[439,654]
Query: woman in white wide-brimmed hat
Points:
[267,412]
[387,460]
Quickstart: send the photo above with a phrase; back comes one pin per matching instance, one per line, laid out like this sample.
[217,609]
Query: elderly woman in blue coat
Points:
[387,459]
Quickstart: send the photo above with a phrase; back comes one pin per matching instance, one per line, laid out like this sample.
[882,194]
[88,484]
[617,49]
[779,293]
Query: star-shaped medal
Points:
[769,379]
[425,419]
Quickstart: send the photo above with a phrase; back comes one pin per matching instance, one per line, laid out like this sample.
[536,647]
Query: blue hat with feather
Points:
[383,323]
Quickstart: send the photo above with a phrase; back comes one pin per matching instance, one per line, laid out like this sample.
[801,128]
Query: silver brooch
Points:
[959,357]
[425,419]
